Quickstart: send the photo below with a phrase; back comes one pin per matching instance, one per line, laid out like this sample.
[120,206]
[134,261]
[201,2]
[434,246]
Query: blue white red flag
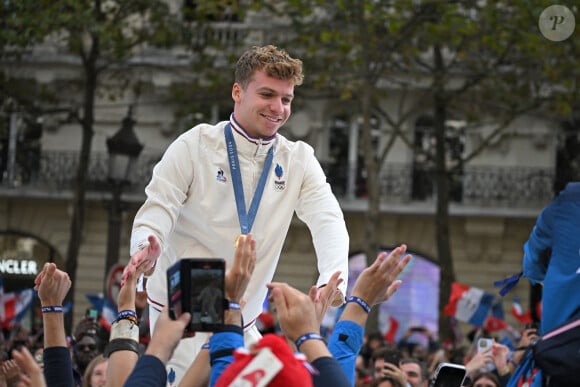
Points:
[518,312]
[495,321]
[468,304]
[107,311]
[14,305]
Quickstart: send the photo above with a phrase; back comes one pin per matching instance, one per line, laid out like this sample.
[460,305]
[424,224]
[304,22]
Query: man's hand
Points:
[296,311]
[377,283]
[32,375]
[394,372]
[144,259]
[238,277]
[52,285]
[324,296]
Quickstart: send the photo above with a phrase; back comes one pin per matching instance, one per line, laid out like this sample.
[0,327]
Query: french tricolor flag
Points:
[518,312]
[468,304]
[14,305]
[107,311]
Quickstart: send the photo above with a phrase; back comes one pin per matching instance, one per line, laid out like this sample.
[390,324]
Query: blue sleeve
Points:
[344,345]
[58,367]
[222,341]
[149,371]
[536,247]
[329,373]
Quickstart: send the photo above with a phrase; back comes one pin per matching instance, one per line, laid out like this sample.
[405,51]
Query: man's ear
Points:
[237,92]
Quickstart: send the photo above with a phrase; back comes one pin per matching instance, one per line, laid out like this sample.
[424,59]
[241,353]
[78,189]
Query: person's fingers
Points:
[313,293]
[184,319]
[277,297]
[392,289]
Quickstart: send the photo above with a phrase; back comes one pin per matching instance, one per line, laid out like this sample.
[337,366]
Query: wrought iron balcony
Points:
[54,173]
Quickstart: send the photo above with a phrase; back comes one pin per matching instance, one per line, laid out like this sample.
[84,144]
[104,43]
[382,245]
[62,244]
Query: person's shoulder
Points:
[205,129]
[297,147]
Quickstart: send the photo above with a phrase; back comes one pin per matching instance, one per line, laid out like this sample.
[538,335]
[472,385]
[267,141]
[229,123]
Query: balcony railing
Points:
[515,187]
[56,171]
[508,187]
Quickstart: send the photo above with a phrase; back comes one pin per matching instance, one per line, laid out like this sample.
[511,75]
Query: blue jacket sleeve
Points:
[149,371]
[222,341]
[329,373]
[535,248]
[344,344]
[58,367]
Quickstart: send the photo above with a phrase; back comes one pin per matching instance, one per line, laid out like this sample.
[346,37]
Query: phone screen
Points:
[174,291]
[92,314]
[207,295]
[197,285]
[449,375]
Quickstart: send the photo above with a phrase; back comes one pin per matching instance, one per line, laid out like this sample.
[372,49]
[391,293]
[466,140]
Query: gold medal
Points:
[237,240]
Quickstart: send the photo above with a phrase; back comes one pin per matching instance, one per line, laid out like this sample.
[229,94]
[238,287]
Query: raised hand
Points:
[238,276]
[324,296]
[32,375]
[296,311]
[144,259]
[377,283]
[52,285]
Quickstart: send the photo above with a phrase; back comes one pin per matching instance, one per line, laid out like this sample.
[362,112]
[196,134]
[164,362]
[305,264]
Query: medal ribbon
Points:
[246,219]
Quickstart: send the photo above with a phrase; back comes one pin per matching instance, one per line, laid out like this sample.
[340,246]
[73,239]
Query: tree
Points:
[484,64]
[100,36]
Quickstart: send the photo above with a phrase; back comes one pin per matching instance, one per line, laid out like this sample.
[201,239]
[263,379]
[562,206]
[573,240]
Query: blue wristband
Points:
[308,336]
[363,304]
[234,305]
[52,309]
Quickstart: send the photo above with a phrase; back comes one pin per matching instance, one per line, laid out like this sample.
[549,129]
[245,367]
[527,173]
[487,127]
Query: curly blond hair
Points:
[273,61]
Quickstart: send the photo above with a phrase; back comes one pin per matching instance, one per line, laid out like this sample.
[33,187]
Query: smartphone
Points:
[448,375]
[393,357]
[483,344]
[197,286]
[92,314]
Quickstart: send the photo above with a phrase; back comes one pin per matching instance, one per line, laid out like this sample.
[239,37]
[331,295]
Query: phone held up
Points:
[197,286]
[393,357]
[448,375]
[483,344]
[92,314]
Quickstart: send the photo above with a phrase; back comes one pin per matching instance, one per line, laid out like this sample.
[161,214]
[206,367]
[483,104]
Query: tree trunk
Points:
[372,216]
[78,210]
[442,199]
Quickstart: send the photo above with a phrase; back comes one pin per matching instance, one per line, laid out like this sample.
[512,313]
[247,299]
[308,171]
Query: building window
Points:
[423,182]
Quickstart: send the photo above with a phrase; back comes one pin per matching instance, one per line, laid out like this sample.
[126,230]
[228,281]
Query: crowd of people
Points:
[350,358]
[195,203]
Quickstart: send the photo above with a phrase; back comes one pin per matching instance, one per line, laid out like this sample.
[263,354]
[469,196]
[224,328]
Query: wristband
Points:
[234,305]
[213,356]
[231,328]
[52,309]
[205,346]
[130,315]
[308,336]
[121,345]
[363,304]
[124,329]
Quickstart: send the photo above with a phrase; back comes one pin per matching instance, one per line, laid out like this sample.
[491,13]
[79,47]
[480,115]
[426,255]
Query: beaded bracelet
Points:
[363,304]
[52,309]
[307,336]
[128,315]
